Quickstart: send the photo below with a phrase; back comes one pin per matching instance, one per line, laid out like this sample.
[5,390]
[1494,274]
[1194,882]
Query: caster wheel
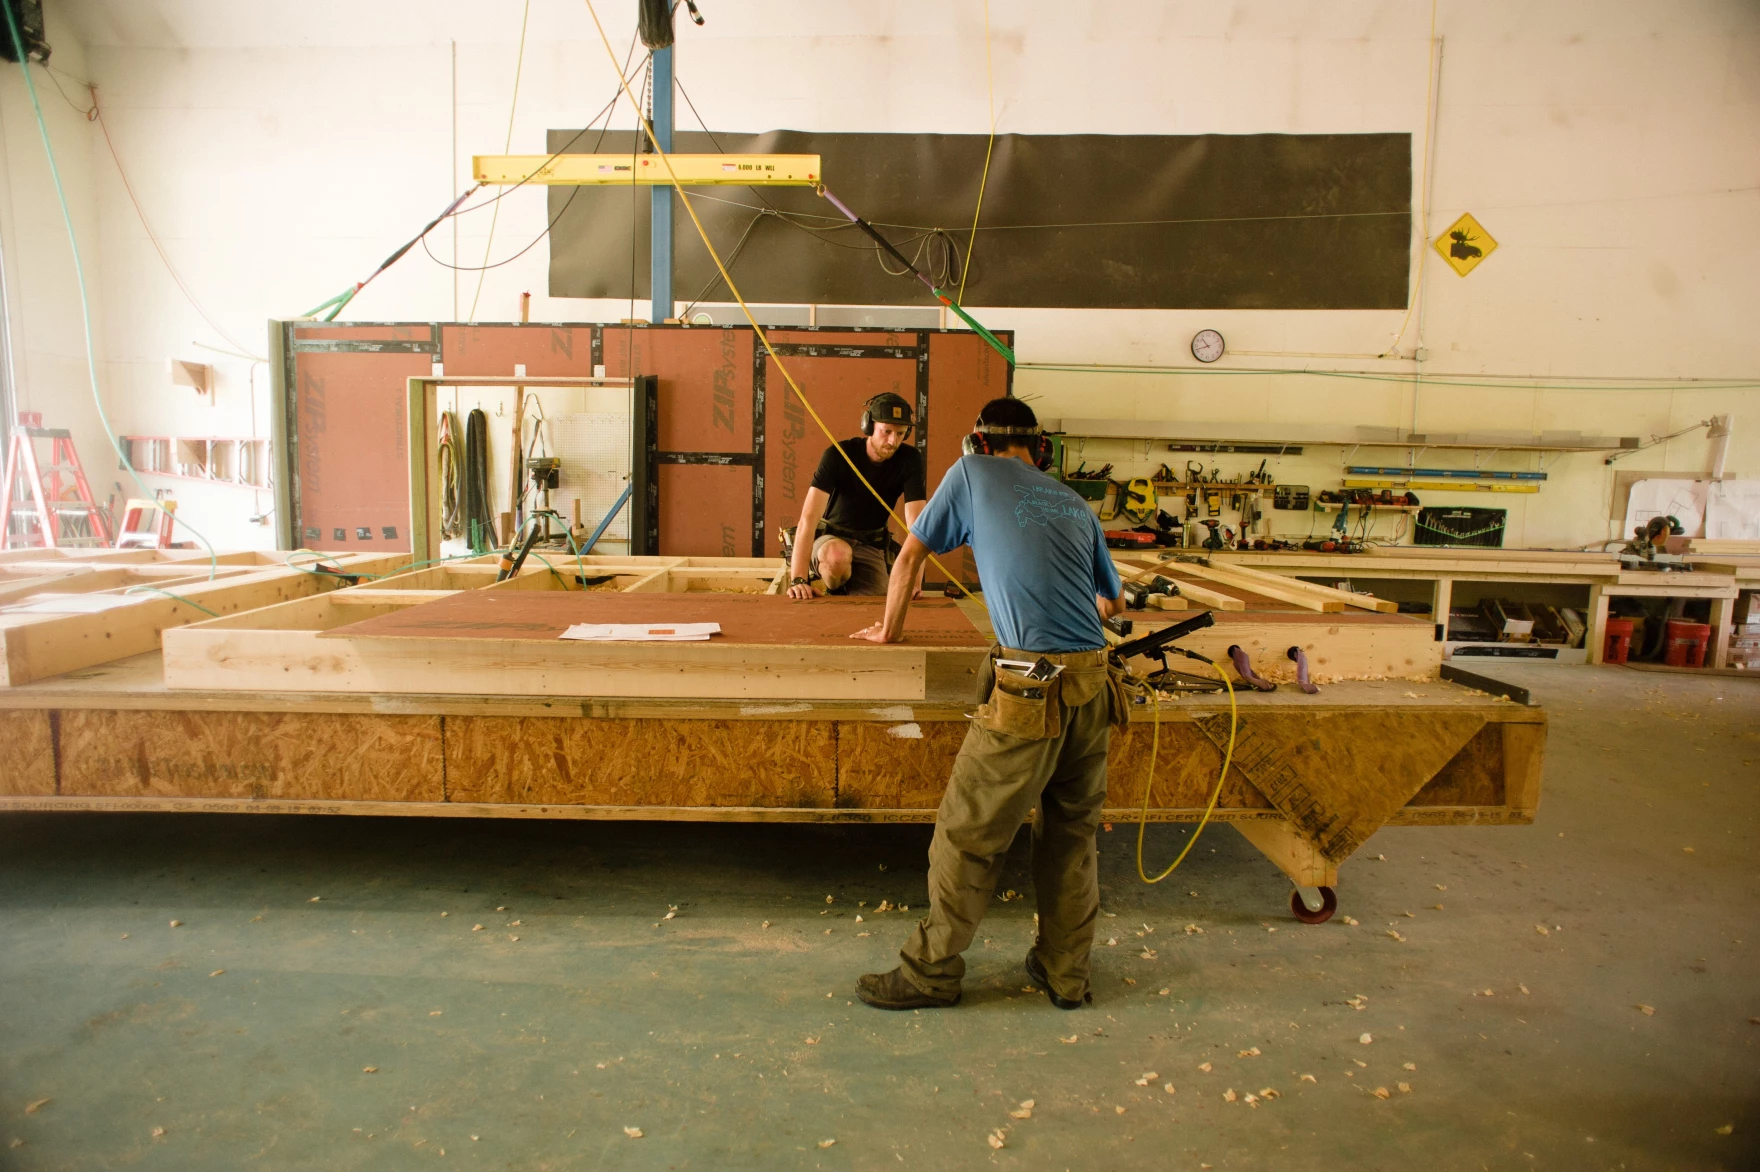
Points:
[1307,915]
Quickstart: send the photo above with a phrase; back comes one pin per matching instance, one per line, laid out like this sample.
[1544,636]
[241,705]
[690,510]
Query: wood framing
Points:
[1371,756]
[1313,776]
[331,644]
[155,594]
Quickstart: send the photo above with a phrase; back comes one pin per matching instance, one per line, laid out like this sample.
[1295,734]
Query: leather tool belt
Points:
[1015,704]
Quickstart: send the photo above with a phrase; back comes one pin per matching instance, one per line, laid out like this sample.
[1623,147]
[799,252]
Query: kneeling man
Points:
[842,537]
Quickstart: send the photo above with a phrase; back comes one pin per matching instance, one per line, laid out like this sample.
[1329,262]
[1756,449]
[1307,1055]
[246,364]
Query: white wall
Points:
[1613,149]
[49,366]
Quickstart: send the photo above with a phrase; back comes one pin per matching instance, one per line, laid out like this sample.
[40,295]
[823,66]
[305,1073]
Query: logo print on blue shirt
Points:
[1041,504]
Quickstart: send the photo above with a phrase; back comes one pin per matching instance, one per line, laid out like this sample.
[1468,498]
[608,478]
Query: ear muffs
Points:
[894,410]
[977,443]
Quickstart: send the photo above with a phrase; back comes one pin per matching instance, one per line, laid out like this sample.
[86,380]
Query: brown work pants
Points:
[997,781]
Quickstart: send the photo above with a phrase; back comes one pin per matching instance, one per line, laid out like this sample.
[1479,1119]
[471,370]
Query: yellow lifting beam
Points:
[692,170]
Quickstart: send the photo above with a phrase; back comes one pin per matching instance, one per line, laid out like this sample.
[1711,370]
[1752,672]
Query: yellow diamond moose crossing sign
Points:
[1465,244]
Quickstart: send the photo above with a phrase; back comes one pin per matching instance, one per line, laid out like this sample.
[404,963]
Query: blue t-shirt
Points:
[1040,551]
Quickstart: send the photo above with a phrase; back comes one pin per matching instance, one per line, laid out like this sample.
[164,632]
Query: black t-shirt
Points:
[853,506]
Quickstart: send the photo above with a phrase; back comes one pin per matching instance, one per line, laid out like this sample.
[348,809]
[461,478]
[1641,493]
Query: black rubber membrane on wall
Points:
[1210,221]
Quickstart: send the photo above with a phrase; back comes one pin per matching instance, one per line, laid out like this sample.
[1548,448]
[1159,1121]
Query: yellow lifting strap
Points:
[690,170]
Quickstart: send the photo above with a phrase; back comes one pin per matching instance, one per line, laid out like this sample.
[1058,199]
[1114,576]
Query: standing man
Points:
[850,554]
[1039,738]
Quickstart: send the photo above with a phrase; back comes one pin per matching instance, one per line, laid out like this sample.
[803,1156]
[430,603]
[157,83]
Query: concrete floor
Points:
[327,1002]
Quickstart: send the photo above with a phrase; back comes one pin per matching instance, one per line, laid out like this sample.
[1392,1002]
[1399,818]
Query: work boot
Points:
[1036,974]
[894,990]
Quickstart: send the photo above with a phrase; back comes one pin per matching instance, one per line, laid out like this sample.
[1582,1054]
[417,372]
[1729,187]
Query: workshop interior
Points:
[418,590]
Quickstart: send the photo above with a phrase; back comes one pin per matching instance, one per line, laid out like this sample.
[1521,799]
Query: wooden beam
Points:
[211,656]
[367,596]
[1596,640]
[1408,816]
[1211,598]
[1389,649]
[1348,597]
[1722,622]
[1293,852]
[1146,570]
[1524,752]
[1270,585]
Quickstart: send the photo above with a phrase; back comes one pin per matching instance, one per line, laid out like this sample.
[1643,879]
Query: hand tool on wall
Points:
[1140,500]
[1109,503]
[1244,668]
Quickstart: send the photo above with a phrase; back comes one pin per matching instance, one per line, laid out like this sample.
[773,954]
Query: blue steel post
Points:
[660,214]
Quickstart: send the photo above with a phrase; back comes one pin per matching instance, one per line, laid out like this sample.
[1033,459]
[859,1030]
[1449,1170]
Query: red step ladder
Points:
[141,529]
[48,505]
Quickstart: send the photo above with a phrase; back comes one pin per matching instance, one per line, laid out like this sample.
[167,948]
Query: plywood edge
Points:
[1459,816]
[1119,817]
[1524,753]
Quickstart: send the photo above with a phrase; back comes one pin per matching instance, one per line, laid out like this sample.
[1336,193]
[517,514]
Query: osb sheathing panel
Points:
[251,755]
[1473,778]
[27,754]
[641,762]
[905,767]
[1338,776]
[895,766]
[1186,765]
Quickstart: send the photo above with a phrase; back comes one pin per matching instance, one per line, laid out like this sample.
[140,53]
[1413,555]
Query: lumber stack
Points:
[1345,636]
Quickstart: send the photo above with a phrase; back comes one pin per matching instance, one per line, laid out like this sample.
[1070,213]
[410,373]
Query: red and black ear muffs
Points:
[977,442]
[886,408]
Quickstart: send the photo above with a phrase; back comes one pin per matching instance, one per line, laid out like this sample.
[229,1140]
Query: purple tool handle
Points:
[837,203]
[1244,668]
[1302,680]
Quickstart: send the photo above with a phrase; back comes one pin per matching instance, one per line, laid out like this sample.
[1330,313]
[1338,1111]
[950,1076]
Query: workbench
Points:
[1313,776]
[1717,577]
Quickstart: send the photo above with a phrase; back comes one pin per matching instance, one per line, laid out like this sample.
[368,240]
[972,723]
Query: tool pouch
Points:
[1118,692]
[1020,707]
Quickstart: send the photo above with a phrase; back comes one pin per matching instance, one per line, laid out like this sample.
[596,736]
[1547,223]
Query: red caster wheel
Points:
[1319,915]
